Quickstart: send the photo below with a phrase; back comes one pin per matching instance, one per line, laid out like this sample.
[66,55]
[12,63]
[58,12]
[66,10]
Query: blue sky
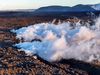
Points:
[32,4]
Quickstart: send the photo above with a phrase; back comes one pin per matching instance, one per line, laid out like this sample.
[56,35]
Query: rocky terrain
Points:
[16,62]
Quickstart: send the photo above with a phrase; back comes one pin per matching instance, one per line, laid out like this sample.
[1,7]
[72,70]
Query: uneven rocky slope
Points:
[13,61]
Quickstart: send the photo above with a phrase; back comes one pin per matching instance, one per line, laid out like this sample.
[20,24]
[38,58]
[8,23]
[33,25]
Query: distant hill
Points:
[53,8]
[79,7]
[82,8]
[55,11]
[68,11]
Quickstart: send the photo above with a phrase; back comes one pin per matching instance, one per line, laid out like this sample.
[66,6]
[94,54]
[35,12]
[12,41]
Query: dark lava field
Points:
[16,62]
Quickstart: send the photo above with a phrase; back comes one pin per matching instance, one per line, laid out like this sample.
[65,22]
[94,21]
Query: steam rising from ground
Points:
[61,41]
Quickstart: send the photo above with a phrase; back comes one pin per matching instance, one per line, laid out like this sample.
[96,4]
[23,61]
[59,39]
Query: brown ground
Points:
[16,62]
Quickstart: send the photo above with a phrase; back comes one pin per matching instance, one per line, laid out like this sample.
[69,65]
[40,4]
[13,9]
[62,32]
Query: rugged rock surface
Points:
[13,61]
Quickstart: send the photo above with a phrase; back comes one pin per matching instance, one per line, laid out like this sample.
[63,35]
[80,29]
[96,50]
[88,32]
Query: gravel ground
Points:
[16,62]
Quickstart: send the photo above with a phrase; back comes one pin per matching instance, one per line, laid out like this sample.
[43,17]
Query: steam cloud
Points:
[61,41]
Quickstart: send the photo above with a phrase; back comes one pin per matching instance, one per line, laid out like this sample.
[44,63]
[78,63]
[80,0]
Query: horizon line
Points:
[22,9]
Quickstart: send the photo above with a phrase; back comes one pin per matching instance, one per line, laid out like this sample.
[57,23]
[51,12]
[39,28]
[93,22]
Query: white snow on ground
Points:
[61,41]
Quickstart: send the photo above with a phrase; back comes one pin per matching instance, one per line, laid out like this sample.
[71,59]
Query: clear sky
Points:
[33,4]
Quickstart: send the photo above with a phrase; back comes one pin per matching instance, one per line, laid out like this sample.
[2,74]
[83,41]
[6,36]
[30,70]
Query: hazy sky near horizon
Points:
[33,4]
